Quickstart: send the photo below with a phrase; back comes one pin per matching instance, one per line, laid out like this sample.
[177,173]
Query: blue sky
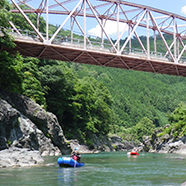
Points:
[174,6]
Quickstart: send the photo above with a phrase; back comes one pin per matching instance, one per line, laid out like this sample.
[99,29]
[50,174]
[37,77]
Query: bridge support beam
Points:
[133,30]
[47,20]
[148,42]
[28,20]
[175,41]
[84,14]
[164,41]
[57,31]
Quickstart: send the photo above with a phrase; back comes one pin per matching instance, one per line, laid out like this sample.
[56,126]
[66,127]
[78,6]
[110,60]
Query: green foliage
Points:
[80,104]
[89,143]
[11,77]
[138,94]
[92,106]
[5,17]
[9,143]
[177,121]
[32,85]
[144,128]
[21,23]
[59,82]
[10,66]
[4,13]
[114,146]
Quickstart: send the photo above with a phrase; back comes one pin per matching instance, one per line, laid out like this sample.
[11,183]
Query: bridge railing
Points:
[23,34]
[93,45]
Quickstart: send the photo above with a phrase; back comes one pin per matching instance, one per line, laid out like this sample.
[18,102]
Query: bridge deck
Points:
[101,57]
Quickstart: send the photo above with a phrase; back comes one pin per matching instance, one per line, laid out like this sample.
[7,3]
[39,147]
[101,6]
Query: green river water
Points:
[108,169]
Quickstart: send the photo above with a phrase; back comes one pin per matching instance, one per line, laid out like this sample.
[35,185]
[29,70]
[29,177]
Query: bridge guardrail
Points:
[93,45]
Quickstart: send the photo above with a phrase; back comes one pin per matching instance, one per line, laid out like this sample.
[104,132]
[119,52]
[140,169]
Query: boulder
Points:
[147,143]
[175,146]
[82,148]
[183,184]
[119,144]
[101,143]
[17,157]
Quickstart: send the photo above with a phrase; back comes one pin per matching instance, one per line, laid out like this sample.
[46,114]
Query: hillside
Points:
[138,94]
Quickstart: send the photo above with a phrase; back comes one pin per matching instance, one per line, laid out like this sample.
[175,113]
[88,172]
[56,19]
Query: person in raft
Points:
[75,155]
[134,149]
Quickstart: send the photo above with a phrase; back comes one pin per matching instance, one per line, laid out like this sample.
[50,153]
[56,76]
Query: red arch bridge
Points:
[129,21]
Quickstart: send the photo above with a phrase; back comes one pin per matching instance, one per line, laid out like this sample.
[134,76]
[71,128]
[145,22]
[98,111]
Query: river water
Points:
[105,169]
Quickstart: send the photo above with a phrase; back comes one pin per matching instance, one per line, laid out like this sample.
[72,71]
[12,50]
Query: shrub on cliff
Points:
[177,122]
[144,128]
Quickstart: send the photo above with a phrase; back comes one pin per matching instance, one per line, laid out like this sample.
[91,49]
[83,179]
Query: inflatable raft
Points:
[134,153]
[68,162]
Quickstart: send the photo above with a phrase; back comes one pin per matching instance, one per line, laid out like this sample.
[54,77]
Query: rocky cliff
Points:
[24,124]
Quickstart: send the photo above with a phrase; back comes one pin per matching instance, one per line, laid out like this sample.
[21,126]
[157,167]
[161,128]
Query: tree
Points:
[144,128]
[32,85]
[81,105]
[5,17]
[58,80]
[21,23]
[10,65]
[93,106]
[178,121]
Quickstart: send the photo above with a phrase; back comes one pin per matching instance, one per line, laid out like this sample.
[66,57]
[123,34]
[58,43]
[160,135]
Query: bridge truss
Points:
[130,21]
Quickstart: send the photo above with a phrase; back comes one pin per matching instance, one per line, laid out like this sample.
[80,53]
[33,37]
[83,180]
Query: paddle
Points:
[75,164]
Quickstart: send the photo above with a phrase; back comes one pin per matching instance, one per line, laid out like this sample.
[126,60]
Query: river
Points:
[105,169]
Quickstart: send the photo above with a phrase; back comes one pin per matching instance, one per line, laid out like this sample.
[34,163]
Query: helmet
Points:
[76,148]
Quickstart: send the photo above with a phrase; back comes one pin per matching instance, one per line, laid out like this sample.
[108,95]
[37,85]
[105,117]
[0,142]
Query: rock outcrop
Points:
[24,124]
[183,184]
[164,143]
[17,157]
[103,144]
[120,145]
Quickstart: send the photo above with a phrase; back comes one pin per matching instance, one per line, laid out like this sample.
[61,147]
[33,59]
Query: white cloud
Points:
[110,28]
[183,9]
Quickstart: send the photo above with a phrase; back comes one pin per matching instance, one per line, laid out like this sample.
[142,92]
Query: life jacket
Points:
[75,157]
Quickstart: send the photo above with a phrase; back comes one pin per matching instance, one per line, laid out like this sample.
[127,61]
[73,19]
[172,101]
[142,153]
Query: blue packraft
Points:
[68,162]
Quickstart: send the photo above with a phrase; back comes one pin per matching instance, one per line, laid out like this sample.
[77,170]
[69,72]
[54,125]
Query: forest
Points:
[91,99]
